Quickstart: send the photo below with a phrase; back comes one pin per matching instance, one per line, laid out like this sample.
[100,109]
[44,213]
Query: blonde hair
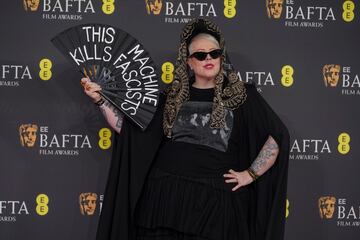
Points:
[202,36]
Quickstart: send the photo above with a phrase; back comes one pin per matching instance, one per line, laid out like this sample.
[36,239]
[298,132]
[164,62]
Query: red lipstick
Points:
[209,66]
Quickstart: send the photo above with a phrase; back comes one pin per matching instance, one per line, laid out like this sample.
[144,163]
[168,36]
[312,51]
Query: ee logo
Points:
[42,201]
[45,69]
[348,13]
[229,8]
[167,75]
[108,6]
[287,208]
[287,73]
[344,140]
[105,138]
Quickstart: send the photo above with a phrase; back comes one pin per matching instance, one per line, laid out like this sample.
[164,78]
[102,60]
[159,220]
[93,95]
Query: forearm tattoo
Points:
[117,114]
[102,109]
[266,156]
[119,117]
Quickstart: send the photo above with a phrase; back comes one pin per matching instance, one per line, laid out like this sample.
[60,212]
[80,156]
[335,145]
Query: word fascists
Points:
[135,87]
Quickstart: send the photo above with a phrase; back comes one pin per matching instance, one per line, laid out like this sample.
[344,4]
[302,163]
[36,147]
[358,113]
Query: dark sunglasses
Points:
[201,56]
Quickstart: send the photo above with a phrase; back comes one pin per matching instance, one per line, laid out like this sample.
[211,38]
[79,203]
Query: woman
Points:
[211,165]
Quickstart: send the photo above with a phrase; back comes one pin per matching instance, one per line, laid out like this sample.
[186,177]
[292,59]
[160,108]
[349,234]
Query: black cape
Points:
[134,152]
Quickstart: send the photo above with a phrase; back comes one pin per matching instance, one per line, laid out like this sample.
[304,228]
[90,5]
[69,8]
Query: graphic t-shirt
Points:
[195,149]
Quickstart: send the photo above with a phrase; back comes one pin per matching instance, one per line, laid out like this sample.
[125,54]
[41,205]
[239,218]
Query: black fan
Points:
[117,62]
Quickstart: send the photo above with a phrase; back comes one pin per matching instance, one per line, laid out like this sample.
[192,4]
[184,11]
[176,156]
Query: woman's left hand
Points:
[241,178]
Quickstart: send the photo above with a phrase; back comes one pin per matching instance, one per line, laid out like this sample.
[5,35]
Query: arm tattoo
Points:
[266,156]
[103,110]
[117,114]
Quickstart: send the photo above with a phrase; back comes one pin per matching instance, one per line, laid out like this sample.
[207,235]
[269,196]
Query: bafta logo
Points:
[153,6]
[27,134]
[331,74]
[274,8]
[327,206]
[87,203]
[31,5]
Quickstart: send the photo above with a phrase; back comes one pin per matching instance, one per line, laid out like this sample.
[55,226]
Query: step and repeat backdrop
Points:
[55,146]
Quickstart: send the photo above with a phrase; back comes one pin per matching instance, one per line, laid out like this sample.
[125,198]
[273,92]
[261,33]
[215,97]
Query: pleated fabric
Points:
[173,206]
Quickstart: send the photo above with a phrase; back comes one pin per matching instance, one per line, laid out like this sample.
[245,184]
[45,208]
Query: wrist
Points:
[96,98]
[99,102]
[252,173]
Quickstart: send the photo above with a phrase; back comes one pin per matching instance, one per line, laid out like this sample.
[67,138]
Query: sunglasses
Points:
[201,56]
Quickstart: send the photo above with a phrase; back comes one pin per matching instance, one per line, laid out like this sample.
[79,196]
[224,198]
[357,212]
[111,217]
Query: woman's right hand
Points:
[91,89]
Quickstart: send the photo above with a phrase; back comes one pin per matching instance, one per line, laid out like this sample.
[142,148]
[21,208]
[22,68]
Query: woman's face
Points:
[209,67]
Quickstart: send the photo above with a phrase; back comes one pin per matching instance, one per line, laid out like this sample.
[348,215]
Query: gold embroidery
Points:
[230,93]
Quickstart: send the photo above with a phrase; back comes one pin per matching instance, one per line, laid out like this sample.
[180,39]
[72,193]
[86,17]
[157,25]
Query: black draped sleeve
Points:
[133,153]
[268,198]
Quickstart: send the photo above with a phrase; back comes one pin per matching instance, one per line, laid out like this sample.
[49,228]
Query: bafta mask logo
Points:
[274,8]
[87,203]
[31,5]
[27,134]
[331,73]
[153,6]
[327,206]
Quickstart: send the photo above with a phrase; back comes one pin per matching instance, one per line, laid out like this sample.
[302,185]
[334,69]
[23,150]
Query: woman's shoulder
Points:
[254,100]
[252,93]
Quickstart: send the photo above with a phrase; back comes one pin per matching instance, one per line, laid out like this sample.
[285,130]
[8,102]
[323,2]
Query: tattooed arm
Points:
[113,116]
[265,159]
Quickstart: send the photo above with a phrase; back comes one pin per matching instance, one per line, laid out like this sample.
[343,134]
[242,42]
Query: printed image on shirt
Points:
[192,125]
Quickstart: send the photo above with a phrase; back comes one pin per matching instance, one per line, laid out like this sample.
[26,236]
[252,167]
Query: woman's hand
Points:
[91,89]
[241,178]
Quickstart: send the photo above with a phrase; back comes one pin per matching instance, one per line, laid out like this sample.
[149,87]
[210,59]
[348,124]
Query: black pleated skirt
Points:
[174,206]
